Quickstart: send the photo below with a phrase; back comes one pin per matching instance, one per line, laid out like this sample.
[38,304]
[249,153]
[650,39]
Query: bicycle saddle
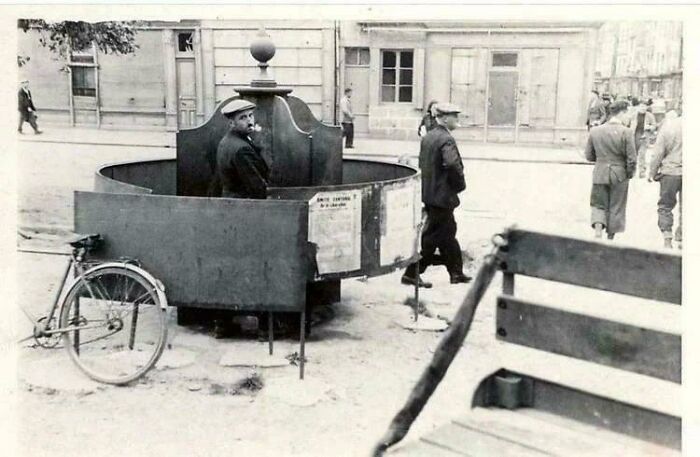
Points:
[90,241]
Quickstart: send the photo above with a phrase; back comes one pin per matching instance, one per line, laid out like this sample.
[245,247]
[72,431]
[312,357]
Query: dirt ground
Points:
[361,363]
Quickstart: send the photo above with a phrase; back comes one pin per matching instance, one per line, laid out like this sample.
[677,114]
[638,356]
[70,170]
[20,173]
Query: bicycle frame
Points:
[44,329]
[76,264]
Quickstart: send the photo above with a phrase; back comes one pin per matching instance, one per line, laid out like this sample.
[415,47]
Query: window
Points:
[82,65]
[83,81]
[397,76]
[184,42]
[357,57]
[505,59]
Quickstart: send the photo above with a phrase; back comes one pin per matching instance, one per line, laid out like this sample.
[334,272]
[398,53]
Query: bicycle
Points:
[112,316]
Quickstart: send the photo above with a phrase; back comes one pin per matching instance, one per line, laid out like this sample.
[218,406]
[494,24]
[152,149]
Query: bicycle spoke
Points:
[127,292]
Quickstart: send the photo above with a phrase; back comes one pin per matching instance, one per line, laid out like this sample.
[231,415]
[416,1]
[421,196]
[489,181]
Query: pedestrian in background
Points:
[607,100]
[347,118]
[667,168]
[643,124]
[429,121]
[25,106]
[626,114]
[611,147]
[442,179]
[596,111]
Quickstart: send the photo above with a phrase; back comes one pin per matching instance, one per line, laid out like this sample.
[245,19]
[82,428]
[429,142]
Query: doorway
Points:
[502,99]
[357,79]
[185,68]
[502,96]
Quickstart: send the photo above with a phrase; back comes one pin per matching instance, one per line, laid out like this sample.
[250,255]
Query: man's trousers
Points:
[27,117]
[439,233]
[609,205]
[671,186]
[348,133]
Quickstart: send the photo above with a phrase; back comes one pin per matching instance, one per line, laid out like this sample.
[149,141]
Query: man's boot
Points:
[459,278]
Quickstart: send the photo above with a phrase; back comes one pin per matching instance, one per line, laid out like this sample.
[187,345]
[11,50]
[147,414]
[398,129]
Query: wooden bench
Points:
[576,382]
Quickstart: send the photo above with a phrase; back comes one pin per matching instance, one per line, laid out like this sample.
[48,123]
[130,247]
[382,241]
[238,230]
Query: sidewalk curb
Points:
[97,143]
[475,158]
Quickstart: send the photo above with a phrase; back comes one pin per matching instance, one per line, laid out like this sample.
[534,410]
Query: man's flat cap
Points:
[235,106]
[447,108]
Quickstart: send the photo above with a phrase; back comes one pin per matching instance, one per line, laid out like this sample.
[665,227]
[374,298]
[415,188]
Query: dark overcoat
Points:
[441,168]
[24,102]
[241,168]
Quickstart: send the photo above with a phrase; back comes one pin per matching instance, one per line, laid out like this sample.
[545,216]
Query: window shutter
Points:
[465,87]
[543,87]
[524,86]
[418,77]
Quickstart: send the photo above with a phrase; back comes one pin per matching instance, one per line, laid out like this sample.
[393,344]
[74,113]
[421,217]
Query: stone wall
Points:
[397,122]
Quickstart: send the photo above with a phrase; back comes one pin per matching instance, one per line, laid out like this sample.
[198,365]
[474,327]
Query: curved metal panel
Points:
[389,220]
[156,176]
[208,252]
[291,148]
[326,144]
[196,153]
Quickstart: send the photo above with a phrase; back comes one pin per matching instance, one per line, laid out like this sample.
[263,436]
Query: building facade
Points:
[524,83]
[520,82]
[642,59]
[179,74]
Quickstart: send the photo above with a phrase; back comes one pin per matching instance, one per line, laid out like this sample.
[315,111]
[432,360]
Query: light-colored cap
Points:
[447,108]
[24,81]
[235,106]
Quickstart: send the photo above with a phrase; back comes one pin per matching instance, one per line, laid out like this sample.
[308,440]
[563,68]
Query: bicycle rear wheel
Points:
[115,325]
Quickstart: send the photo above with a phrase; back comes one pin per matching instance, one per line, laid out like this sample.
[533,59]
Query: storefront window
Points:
[397,76]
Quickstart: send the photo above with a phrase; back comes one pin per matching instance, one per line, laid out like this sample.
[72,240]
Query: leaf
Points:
[110,37]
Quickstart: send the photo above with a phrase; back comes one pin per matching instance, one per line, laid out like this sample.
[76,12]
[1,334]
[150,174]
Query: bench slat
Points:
[423,449]
[587,408]
[474,443]
[646,274]
[556,435]
[610,343]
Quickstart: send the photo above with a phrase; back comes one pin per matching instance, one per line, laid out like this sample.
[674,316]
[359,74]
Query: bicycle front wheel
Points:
[115,328]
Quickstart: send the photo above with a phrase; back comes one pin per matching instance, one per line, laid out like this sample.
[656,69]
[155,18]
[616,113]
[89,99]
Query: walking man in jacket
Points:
[442,174]
[611,147]
[25,106]
[347,118]
[667,168]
